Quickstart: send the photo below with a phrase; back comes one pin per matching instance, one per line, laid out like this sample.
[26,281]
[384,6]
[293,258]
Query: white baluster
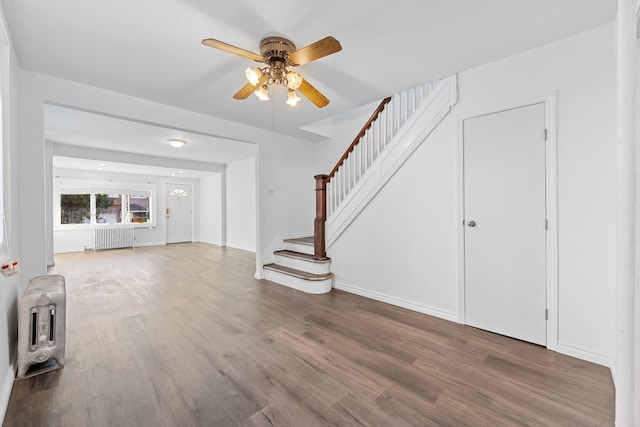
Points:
[389,121]
[419,95]
[396,113]
[347,177]
[362,157]
[411,95]
[351,177]
[371,149]
[404,105]
[338,188]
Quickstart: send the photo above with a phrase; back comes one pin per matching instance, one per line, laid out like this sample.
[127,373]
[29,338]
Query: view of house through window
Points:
[108,208]
[138,207]
[75,208]
[92,206]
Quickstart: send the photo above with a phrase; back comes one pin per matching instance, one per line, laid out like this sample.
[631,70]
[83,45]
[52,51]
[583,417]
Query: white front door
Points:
[505,223]
[179,213]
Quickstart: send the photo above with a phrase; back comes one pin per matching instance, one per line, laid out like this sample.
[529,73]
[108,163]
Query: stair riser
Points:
[299,247]
[301,264]
[308,286]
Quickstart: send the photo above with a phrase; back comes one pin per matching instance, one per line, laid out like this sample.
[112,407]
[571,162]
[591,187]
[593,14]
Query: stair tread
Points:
[298,273]
[301,255]
[301,240]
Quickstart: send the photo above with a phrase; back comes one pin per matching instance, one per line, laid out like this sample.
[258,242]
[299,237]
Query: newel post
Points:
[319,250]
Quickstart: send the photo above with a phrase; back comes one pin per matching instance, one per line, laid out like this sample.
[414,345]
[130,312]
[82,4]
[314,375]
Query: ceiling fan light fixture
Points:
[176,143]
[294,80]
[253,75]
[262,93]
[293,98]
[278,53]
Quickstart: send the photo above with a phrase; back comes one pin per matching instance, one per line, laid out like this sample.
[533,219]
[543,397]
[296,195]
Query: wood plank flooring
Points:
[183,335]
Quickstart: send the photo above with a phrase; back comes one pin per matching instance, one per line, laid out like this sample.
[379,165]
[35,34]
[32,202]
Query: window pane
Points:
[138,208]
[75,209]
[108,208]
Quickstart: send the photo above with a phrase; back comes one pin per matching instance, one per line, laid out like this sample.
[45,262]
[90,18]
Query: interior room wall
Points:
[241,204]
[211,207]
[9,287]
[284,163]
[344,128]
[68,239]
[403,246]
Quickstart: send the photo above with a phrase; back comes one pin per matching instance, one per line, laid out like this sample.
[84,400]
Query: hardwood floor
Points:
[183,335]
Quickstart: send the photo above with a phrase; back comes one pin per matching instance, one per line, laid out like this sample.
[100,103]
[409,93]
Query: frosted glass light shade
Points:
[176,143]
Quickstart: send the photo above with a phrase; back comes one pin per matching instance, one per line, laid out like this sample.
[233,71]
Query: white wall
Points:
[69,239]
[287,169]
[344,128]
[241,204]
[403,246]
[9,288]
[211,207]
[284,163]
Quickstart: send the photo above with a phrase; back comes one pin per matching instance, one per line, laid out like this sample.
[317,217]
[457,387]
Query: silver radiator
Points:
[41,323]
[113,238]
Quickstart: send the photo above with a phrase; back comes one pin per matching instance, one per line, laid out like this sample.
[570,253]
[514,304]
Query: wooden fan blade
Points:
[313,94]
[317,50]
[217,44]
[248,89]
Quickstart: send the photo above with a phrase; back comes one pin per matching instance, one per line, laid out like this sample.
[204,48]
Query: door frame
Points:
[166,205]
[551,184]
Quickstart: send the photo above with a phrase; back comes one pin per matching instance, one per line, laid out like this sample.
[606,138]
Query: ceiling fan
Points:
[278,54]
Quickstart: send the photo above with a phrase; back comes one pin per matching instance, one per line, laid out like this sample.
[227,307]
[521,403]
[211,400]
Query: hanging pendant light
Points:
[262,93]
[294,80]
[253,75]
[293,98]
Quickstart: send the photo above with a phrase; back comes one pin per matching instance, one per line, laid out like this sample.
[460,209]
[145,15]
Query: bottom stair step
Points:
[298,273]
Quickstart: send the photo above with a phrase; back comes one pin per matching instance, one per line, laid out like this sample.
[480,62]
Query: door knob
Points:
[471,223]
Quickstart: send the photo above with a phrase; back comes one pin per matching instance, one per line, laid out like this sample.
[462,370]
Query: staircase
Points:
[395,129]
[296,267]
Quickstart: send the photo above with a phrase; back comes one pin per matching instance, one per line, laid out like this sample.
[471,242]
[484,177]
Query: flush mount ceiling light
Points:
[279,53]
[176,143]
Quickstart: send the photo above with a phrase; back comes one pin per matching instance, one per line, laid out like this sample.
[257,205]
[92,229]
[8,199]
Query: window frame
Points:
[125,189]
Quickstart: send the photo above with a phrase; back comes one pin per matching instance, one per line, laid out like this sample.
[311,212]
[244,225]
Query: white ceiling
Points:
[81,128]
[106,168]
[151,49]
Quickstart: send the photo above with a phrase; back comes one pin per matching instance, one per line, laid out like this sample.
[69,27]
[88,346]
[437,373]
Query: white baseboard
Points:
[587,355]
[141,245]
[453,317]
[68,250]
[211,243]
[5,391]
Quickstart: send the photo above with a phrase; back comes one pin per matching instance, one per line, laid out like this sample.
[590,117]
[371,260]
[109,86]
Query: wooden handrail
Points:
[319,244]
[356,141]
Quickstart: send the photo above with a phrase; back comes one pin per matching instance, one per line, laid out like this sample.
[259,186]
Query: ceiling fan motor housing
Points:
[276,48]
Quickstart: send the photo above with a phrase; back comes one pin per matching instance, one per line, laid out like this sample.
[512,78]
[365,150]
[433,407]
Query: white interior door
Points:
[179,213]
[505,223]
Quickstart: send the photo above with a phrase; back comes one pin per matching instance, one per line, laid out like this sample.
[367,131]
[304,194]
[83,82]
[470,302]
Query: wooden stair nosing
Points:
[302,256]
[298,273]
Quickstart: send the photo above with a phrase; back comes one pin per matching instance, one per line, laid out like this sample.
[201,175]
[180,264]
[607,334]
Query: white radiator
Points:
[113,238]
[41,325]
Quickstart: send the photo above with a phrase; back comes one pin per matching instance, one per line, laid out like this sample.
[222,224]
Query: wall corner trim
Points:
[5,391]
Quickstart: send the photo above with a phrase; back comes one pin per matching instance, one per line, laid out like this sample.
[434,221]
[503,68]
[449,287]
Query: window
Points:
[109,208]
[138,208]
[97,204]
[75,208]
